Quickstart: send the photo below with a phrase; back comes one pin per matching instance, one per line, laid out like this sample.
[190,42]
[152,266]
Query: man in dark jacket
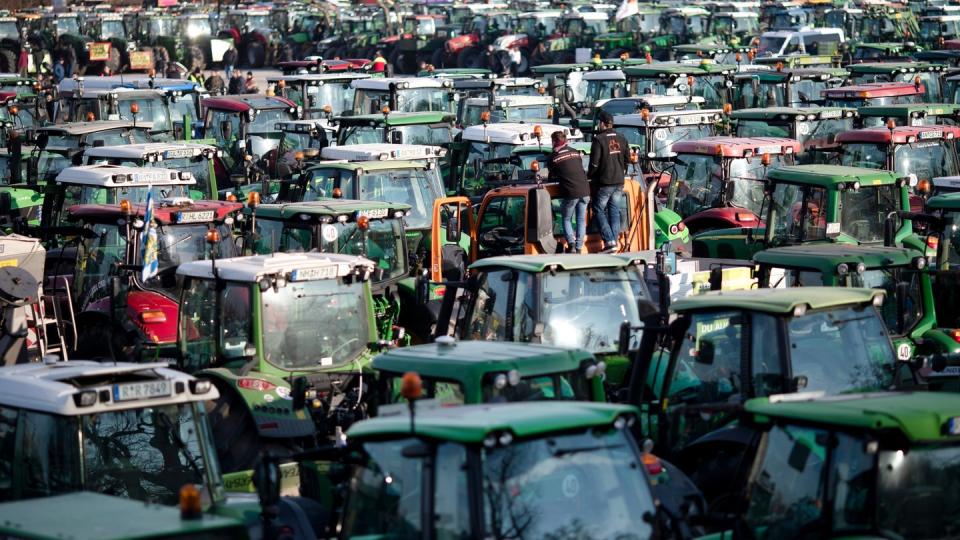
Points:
[566,168]
[609,158]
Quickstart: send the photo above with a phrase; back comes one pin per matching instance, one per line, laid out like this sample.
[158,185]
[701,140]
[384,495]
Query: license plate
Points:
[688,119]
[195,217]
[375,213]
[147,390]
[307,274]
[768,150]
[931,135]
[178,153]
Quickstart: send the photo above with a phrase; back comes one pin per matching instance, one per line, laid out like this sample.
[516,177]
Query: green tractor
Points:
[784,87]
[368,229]
[720,349]
[815,127]
[112,43]
[574,30]
[678,25]
[560,300]
[57,32]
[713,82]
[629,33]
[819,203]
[910,310]
[924,75]
[268,331]
[186,38]
[895,450]
[920,114]
[540,470]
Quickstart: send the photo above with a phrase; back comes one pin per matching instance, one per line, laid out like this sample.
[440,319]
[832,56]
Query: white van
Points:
[804,41]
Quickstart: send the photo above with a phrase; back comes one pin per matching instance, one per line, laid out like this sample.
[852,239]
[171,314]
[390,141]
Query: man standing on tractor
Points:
[566,168]
[609,157]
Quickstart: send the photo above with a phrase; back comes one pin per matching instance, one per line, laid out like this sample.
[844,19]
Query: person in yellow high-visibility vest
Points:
[379,63]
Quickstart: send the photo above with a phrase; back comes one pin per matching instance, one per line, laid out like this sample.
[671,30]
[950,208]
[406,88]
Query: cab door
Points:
[450,248]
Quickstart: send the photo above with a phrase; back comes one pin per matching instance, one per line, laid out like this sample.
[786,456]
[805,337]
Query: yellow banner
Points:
[99,51]
[141,60]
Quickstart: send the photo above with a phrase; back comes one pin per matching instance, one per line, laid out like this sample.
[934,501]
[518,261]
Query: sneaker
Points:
[609,248]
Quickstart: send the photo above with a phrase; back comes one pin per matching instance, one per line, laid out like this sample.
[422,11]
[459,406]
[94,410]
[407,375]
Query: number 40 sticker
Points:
[903,351]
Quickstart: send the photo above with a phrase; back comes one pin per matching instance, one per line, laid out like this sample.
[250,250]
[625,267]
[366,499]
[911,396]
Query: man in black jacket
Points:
[566,168]
[609,158]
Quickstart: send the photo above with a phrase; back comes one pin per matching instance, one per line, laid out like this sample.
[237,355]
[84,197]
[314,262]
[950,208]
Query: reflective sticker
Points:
[329,233]
[903,351]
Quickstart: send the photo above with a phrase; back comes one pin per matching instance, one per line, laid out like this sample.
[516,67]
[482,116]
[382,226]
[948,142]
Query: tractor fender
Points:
[267,397]
[157,330]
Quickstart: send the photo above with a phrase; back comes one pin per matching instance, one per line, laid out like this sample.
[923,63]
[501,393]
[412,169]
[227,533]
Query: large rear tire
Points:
[238,444]
[8,61]
[194,58]
[439,58]
[115,61]
[469,58]
[255,54]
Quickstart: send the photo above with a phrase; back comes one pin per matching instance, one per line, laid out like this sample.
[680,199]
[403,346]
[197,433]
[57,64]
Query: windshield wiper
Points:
[570,451]
[182,446]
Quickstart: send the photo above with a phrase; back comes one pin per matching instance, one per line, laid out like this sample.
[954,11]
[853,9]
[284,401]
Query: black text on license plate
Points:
[147,390]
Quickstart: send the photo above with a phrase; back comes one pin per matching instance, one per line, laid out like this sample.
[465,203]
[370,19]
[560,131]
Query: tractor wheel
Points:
[115,62]
[238,444]
[439,58]
[469,58]
[8,61]
[255,54]
[194,58]
[285,53]
[394,59]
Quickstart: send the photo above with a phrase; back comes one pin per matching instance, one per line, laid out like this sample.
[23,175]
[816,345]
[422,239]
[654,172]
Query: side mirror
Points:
[396,137]
[422,290]
[266,478]
[568,94]
[42,140]
[453,230]
[706,352]
[799,383]
[375,106]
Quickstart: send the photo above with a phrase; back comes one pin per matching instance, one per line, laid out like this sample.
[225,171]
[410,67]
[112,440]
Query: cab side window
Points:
[8,447]
[503,218]
[766,372]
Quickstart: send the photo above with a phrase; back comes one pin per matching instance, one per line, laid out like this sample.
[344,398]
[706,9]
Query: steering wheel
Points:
[499,236]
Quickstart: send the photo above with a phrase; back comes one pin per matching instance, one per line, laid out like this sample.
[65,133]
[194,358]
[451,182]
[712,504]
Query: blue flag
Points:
[148,242]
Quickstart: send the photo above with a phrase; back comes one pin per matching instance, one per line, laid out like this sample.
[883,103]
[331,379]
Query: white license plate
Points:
[195,217]
[147,390]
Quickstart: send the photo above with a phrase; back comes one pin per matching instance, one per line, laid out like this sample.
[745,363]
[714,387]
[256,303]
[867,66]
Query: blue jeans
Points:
[606,210]
[580,205]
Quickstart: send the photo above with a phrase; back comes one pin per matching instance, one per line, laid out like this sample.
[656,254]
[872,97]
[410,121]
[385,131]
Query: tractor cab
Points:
[60,145]
[724,348]
[653,133]
[485,155]
[147,107]
[253,35]
[124,286]
[321,95]
[420,128]
[934,30]
[815,127]
[629,32]
[474,371]
[200,160]
[183,99]
[734,27]
[714,52]
[910,312]
[499,86]
[881,447]
[819,203]
[504,109]
[800,87]
[883,52]
[300,143]
[557,466]
[923,152]
[918,73]
[583,301]
[372,96]
[942,236]
[922,114]
[636,105]
[684,24]
[245,126]
[268,331]
[369,229]
[785,43]
[709,81]
[719,182]
[863,95]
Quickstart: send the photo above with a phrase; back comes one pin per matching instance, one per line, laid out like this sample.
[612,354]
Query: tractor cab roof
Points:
[152,151]
[947,201]
[453,360]
[919,417]
[504,102]
[825,258]
[873,90]
[246,102]
[658,70]
[605,75]
[496,83]
[794,114]
[471,424]
[516,134]
[289,266]
[65,388]
[399,118]
[550,263]
[369,166]
[306,125]
[686,11]
[669,119]
[382,152]
[654,102]
[831,176]
[173,211]
[779,301]
[317,79]
[339,209]
[456,73]
[899,134]
[85,128]
[910,110]
[793,74]
[795,61]
[737,147]
[893,68]
[951,183]
[387,84]
[115,176]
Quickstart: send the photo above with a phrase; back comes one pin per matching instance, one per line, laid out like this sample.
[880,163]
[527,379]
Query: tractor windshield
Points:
[339,96]
[179,244]
[110,137]
[8,30]
[949,248]
[702,183]
[799,213]
[820,345]
[930,30]
[112,29]
[764,128]
[68,25]
[429,134]
[293,313]
[870,156]
[146,454]
[770,46]
[408,100]
[902,476]
[87,194]
[152,109]
[383,243]
[184,106]
[665,138]
[595,90]
[563,485]
[257,21]
[161,26]
[927,160]
[197,27]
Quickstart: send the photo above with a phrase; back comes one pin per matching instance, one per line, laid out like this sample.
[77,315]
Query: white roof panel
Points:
[383,84]
[142,151]
[381,152]
[251,269]
[516,134]
[112,176]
